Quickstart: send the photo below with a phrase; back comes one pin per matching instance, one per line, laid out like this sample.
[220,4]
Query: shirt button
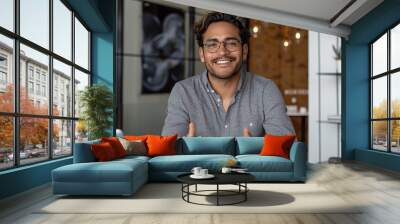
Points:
[218,100]
[212,91]
[226,126]
[251,124]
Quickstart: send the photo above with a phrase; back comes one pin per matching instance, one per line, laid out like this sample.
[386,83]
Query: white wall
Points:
[324,98]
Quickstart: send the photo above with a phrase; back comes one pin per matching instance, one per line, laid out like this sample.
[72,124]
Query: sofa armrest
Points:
[83,152]
[298,156]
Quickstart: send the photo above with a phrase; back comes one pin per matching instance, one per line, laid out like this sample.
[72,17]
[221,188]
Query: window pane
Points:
[379,135]
[62,89]
[62,138]
[62,29]
[395,132]
[81,45]
[6,74]
[379,55]
[81,81]
[395,47]
[7,14]
[35,21]
[81,131]
[33,139]
[6,142]
[395,94]
[34,97]
[379,97]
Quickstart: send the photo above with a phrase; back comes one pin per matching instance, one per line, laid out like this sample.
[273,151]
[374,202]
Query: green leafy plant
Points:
[338,53]
[96,102]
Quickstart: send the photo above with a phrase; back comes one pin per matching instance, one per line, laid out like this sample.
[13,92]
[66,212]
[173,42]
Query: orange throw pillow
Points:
[136,137]
[161,145]
[277,145]
[103,152]
[116,145]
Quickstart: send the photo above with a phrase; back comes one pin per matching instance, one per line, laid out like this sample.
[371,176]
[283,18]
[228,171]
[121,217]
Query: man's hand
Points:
[246,132]
[192,130]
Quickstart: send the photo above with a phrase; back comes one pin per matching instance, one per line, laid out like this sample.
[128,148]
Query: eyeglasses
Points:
[231,45]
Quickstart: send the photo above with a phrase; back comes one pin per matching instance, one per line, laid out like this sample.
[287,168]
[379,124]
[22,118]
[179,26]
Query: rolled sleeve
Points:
[177,119]
[276,121]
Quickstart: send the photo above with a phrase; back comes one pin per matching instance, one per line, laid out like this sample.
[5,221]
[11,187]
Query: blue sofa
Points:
[125,176]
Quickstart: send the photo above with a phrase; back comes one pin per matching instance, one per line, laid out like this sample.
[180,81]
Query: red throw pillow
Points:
[116,145]
[161,145]
[277,145]
[103,151]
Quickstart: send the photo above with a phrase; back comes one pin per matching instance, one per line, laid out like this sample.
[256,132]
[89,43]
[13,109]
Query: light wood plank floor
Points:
[377,188]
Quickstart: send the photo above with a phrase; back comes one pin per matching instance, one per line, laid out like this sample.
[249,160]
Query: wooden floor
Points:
[377,188]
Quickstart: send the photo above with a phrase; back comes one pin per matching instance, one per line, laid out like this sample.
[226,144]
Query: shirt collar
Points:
[206,82]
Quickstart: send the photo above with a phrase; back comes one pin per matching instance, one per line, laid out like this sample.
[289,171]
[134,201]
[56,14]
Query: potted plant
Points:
[338,58]
[96,102]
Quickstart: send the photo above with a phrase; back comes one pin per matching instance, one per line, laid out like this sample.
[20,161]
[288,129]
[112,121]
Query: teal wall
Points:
[356,101]
[99,15]
[24,178]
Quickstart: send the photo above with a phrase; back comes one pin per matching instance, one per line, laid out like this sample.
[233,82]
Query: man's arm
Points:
[276,121]
[177,119]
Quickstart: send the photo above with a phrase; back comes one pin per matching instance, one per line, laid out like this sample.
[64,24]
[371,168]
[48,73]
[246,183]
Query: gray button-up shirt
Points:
[257,105]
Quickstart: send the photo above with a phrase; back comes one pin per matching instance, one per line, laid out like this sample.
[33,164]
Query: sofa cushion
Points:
[112,171]
[257,163]
[185,163]
[249,145]
[206,145]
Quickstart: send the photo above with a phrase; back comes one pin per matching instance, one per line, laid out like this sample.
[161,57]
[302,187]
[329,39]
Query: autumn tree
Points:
[33,131]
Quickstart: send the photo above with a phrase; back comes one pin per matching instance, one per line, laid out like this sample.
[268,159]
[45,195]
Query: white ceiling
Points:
[313,15]
[320,9]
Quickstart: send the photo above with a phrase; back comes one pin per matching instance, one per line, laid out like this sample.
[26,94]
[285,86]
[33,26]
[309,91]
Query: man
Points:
[225,100]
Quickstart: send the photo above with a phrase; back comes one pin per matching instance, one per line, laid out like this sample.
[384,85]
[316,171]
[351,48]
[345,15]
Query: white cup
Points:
[203,172]
[226,170]
[196,170]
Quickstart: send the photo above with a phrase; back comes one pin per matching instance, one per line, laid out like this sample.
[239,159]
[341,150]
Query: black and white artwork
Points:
[163,47]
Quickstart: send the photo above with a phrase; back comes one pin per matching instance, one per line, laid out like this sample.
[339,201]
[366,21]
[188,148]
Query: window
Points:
[81,45]
[43,90]
[3,61]
[3,72]
[385,94]
[45,131]
[38,89]
[30,87]
[7,14]
[34,21]
[30,72]
[3,78]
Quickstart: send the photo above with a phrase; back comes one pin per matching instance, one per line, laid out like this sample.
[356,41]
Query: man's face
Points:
[225,61]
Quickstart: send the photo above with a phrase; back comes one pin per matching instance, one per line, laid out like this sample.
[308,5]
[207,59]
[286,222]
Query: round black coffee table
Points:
[238,179]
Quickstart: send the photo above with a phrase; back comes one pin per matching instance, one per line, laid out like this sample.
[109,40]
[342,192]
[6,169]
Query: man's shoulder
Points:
[260,81]
[188,82]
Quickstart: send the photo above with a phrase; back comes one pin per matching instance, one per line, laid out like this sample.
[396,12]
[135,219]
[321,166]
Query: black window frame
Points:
[16,115]
[388,74]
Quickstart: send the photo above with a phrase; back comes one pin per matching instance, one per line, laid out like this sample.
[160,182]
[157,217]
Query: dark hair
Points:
[201,27]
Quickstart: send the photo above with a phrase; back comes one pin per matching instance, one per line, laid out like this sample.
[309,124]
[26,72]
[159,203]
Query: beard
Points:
[211,71]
